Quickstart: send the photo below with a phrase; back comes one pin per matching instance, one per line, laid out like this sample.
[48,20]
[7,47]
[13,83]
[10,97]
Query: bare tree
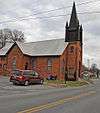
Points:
[2,39]
[8,35]
[17,36]
[94,69]
[94,66]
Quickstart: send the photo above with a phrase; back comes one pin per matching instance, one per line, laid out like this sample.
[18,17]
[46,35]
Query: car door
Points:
[35,78]
[31,77]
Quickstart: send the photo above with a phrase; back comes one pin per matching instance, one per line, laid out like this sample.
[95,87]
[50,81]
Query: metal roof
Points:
[44,48]
[41,48]
[5,49]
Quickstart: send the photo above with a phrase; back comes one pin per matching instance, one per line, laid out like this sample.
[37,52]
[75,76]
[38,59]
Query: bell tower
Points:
[73,35]
[73,31]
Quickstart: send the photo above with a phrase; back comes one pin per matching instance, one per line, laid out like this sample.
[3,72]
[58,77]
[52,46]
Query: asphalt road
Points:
[45,99]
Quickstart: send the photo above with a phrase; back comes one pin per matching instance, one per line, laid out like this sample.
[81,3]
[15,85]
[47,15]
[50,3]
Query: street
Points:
[46,99]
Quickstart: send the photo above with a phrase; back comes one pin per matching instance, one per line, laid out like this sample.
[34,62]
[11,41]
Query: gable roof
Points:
[41,48]
[5,49]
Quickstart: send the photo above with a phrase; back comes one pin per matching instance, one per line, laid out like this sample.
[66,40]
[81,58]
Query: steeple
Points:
[81,35]
[66,31]
[66,25]
[74,22]
[73,31]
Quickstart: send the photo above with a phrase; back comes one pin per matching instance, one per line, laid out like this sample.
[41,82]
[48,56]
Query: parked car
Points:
[25,77]
[51,77]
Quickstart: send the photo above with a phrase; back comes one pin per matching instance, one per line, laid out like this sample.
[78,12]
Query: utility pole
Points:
[88,62]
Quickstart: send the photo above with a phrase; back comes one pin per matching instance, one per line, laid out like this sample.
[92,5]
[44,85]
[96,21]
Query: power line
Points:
[46,17]
[30,16]
[83,3]
[15,7]
[49,11]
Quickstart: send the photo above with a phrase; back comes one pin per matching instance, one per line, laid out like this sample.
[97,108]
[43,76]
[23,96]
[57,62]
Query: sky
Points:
[40,25]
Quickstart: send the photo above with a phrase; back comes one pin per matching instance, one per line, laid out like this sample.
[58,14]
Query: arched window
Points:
[49,66]
[26,65]
[0,66]
[5,66]
[71,49]
[14,64]
[63,66]
[33,63]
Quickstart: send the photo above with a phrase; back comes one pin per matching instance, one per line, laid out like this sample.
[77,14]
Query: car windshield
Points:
[27,72]
[31,73]
[16,72]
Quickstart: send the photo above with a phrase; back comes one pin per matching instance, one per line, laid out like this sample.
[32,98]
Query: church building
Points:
[59,57]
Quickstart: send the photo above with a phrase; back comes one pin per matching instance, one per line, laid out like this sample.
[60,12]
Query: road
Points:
[45,99]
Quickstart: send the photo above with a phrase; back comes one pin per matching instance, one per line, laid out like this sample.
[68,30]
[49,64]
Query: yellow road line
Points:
[56,103]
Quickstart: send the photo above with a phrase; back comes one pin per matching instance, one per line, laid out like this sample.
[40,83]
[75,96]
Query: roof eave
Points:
[42,55]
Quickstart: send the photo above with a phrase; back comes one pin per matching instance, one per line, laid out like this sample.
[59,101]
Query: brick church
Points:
[59,57]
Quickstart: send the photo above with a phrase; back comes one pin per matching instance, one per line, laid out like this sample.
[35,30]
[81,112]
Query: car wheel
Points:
[14,83]
[26,83]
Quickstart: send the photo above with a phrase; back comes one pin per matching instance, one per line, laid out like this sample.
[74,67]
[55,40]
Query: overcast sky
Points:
[36,27]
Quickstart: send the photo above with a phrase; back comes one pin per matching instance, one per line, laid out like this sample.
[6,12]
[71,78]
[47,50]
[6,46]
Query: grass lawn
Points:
[68,83]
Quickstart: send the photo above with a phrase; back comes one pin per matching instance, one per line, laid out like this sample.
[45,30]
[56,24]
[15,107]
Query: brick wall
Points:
[74,59]
[70,58]
[41,62]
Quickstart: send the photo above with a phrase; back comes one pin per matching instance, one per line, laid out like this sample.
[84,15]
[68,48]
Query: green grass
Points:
[55,81]
[76,83]
[68,83]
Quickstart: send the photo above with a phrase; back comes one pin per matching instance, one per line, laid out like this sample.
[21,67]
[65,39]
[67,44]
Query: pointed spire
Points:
[66,25]
[66,31]
[81,28]
[81,35]
[74,20]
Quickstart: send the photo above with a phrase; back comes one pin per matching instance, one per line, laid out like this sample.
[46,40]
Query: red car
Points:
[25,77]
